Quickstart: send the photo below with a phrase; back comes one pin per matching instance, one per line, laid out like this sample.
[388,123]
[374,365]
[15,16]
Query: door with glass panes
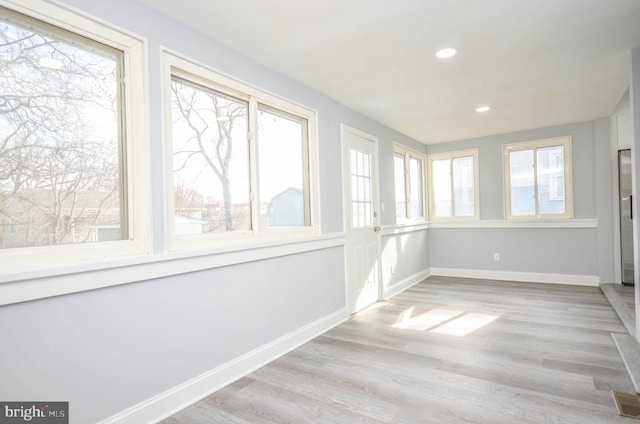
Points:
[361,218]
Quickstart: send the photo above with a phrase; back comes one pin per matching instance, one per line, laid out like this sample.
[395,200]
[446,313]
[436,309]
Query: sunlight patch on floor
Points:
[443,321]
[466,324]
[426,320]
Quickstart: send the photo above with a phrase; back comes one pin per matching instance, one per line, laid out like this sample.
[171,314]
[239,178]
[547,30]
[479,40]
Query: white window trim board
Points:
[388,230]
[54,281]
[515,224]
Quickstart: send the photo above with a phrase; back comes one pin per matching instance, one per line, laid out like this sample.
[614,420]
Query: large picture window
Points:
[453,185]
[66,138]
[538,178]
[60,137]
[240,159]
[408,168]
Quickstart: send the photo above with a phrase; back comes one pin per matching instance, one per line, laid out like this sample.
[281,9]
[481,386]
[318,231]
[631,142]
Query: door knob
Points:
[376,228]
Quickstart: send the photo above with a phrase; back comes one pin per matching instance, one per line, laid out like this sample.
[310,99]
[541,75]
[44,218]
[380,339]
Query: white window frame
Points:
[450,156]
[176,65]
[565,142]
[26,260]
[408,153]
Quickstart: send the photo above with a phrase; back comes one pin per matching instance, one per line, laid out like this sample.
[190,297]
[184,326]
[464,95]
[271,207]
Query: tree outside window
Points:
[60,137]
[239,163]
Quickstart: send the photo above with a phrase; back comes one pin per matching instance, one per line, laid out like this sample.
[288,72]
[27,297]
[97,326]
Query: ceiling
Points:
[536,62]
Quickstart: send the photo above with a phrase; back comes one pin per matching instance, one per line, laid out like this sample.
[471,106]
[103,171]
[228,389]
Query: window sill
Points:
[48,281]
[547,223]
[402,228]
[241,240]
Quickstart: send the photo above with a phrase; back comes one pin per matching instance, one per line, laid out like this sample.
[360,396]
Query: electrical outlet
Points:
[496,257]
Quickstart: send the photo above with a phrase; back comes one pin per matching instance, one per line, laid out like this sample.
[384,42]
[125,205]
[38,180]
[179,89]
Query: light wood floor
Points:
[622,300]
[627,294]
[532,353]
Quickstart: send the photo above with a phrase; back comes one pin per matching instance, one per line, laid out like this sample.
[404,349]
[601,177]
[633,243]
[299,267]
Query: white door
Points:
[361,202]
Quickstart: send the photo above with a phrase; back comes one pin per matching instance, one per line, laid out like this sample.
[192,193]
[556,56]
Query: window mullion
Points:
[306,174]
[453,190]
[254,192]
[535,180]
[126,189]
[407,187]
[423,187]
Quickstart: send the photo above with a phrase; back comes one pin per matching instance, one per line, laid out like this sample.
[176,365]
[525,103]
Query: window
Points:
[454,185]
[408,168]
[283,139]
[361,189]
[66,133]
[538,178]
[241,159]
[210,159]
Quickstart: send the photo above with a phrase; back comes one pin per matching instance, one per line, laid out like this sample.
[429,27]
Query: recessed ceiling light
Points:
[446,53]
[483,109]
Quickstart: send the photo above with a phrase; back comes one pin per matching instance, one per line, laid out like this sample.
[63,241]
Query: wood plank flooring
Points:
[445,351]
[627,293]
[622,300]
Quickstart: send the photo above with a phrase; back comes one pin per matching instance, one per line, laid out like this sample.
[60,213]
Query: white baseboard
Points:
[525,277]
[404,284]
[183,395]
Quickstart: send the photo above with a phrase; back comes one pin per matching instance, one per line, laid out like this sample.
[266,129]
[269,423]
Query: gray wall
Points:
[572,251]
[403,256]
[109,349]
[606,172]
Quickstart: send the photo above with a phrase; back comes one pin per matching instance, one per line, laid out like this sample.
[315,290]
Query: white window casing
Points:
[413,206]
[135,181]
[449,184]
[257,102]
[558,191]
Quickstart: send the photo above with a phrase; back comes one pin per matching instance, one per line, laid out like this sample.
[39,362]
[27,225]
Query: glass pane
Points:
[354,162]
[357,213]
[442,187]
[210,160]
[361,195]
[281,169]
[365,165]
[400,187]
[550,167]
[366,188]
[521,176]
[367,214]
[463,190]
[355,188]
[415,182]
[60,180]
